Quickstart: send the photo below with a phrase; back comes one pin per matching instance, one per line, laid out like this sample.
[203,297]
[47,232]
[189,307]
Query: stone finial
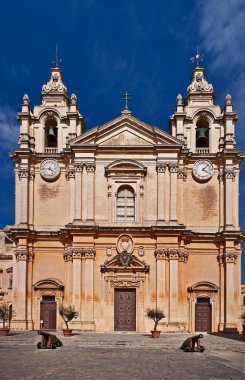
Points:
[73,99]
[179,100]
[26,100]
[228,100]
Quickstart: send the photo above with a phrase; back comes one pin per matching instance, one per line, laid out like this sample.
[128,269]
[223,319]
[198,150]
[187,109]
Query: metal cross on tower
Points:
[57,59]
[198,58]
[126,98]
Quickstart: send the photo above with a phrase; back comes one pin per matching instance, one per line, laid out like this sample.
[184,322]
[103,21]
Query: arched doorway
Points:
[203,307]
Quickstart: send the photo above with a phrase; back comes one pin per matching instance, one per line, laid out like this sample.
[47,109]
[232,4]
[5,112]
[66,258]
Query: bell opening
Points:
[202,134]
[51,133]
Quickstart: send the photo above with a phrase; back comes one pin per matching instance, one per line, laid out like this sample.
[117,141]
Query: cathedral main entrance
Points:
[125,310]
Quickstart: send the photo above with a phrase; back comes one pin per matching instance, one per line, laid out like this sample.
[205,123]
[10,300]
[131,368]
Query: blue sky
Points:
[108,47]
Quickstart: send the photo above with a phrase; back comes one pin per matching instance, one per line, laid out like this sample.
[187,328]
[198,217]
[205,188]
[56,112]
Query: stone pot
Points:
[4,331]
[67,332]
[155,333]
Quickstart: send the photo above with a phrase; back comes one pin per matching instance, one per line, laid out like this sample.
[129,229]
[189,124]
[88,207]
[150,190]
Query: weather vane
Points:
[126,98]
[57,59]
[198,58]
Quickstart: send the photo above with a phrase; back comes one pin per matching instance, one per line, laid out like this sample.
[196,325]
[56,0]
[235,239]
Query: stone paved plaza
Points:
[121,356]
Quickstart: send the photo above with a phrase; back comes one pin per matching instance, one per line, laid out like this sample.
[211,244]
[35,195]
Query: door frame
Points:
[49,302]
[133,290]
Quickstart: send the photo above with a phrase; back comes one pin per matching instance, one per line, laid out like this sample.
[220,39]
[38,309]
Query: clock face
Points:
[49,169]
[203,170]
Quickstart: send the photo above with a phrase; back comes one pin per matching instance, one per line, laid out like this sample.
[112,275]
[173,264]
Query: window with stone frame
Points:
[125,204]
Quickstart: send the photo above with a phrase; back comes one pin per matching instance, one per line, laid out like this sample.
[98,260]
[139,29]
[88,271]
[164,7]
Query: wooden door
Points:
[125,310]
[203,315]
[48,315]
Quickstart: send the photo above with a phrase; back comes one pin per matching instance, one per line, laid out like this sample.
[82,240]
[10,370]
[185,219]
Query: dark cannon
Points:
[48,341]
[193,344]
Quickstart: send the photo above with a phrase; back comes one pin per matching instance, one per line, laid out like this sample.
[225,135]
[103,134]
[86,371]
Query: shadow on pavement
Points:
[233,336]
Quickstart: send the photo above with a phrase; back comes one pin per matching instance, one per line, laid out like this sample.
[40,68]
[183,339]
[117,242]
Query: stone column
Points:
[161,278]
[173,255]
[24,177]
[90,166]
[68,272]
[29,291]
[88,307]
[78,191]
[20,292]
[31,198]
[229,175]
[173,169]
[70,177]
[17,197]
[229,260]
[160,168]
[77,283]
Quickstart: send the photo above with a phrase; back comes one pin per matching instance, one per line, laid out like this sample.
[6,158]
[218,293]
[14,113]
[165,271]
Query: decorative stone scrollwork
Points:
[228,257]
[23,138]
[78,167]
[199,83]
[21,254]
[173,167]
[182,174]
[230,138]
[89,253]
[161,167]
[70,173]
[32,173]
[79,253]
[55,83]
[171,254]
[124,284]
[230,174]
[23,173]
[90,166]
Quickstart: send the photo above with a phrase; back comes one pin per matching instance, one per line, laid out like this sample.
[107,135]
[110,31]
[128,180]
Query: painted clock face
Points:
[203,170]
[49,169]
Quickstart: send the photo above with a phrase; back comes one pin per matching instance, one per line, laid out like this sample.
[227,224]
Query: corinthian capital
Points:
[228,257]
[90,166]
[161,167]
[173,167]
[21,254]
[89,253]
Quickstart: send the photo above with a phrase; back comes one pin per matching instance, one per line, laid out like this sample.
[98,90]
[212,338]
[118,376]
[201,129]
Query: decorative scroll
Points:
[124,284]
[199,83]
[55,83]
[228,257]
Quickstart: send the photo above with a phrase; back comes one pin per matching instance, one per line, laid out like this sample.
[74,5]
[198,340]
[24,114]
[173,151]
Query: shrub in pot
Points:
[67,313]
[156,315]
[5,316]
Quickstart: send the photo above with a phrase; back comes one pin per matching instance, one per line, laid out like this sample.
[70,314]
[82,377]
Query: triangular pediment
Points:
[136,265]
[126,130]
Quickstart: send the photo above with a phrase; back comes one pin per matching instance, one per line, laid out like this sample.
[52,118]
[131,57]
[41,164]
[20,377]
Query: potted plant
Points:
[67,313]
[5,316]
[243,325]
[156,315]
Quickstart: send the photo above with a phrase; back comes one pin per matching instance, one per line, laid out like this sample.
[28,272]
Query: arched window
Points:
[51,133]
[125,205]
[202,133]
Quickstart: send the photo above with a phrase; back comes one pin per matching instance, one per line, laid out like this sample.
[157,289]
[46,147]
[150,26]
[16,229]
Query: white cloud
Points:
[9,128]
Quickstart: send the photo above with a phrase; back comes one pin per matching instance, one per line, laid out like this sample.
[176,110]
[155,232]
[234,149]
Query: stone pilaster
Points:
[173,169]
[78,191]
[229,260]
[20,289]
[24,178]
[77,280]
[161,169]
[161,258]
[229,178]
[70,177]
[68,271]
[88,309]
[90,166]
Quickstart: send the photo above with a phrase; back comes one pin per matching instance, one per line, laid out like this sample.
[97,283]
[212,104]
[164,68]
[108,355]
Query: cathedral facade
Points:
[126,216]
